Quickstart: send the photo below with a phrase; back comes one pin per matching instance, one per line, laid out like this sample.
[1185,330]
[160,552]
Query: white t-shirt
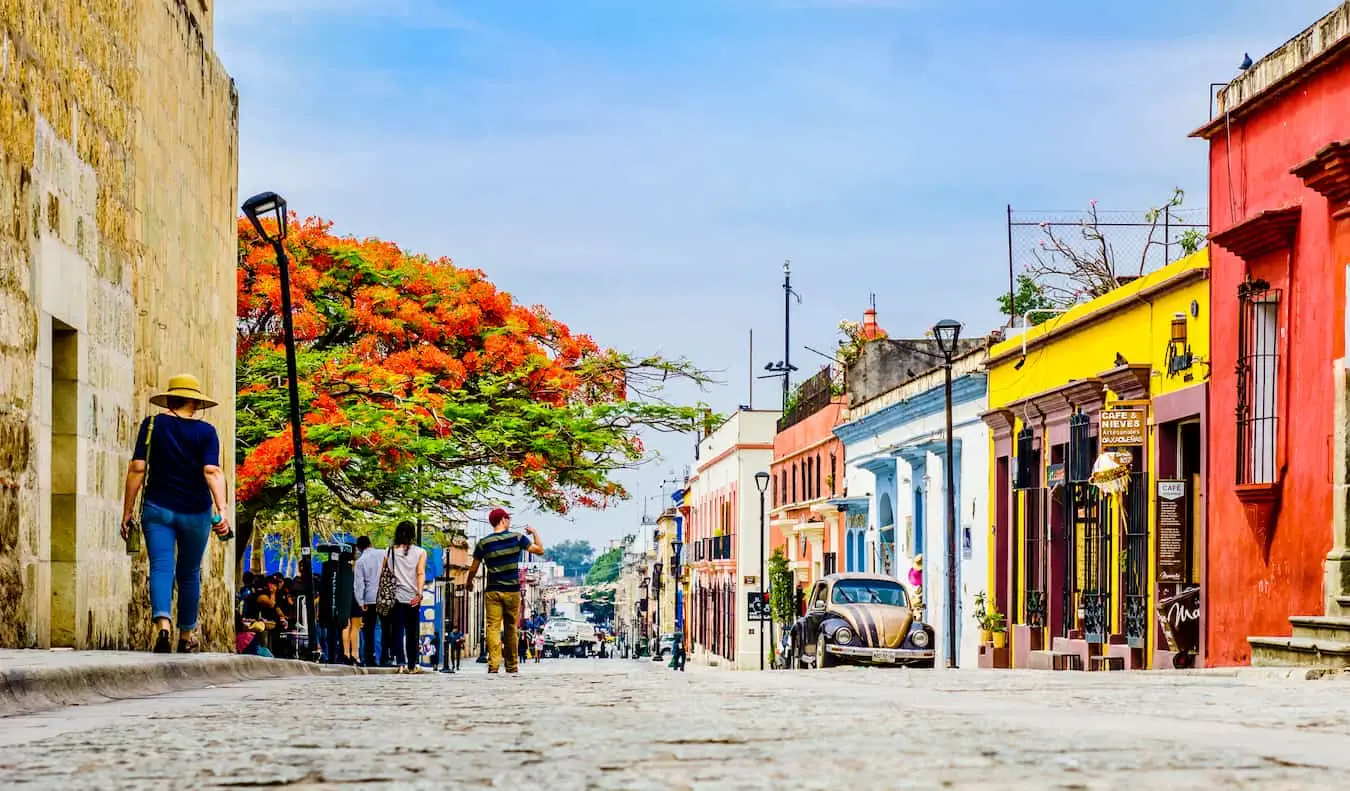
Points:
[405,572]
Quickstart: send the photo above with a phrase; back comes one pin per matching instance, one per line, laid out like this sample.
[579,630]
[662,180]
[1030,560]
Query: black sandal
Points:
[162,642]
[188,646]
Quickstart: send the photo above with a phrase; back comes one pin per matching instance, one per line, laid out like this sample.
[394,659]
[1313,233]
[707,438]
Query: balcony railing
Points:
[810,397]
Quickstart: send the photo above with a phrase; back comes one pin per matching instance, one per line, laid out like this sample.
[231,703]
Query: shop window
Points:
[1258,371]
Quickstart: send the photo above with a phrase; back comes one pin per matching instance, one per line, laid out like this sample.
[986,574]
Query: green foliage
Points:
[574,556]
[1191,241]
[605,569]
[598,605]
[782,589]
[1026,298]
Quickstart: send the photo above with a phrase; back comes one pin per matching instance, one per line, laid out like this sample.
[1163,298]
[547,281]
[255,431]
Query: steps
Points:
[1318,641]
[1055,660]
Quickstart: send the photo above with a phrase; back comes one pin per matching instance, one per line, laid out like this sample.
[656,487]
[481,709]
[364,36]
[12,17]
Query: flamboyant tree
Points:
[425,388]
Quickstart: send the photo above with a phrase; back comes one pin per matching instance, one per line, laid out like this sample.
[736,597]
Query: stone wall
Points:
[118,159]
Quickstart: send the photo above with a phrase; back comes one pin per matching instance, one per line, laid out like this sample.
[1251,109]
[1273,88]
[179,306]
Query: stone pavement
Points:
[621,724]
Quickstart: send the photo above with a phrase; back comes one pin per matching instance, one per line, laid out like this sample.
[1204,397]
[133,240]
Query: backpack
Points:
[387,592]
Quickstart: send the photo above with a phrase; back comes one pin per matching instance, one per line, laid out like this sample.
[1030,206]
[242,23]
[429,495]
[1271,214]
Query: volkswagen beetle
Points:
[859,619]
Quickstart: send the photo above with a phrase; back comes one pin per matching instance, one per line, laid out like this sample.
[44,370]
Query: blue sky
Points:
[644,167]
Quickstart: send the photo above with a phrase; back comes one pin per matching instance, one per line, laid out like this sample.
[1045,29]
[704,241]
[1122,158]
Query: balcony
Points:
[810,397]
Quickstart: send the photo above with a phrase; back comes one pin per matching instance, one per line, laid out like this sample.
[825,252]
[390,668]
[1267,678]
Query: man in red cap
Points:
[499,553]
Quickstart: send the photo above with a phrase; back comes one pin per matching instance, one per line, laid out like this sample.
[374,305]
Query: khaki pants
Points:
[503,611]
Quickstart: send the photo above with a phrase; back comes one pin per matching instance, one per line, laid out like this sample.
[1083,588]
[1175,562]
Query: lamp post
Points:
[271,206]
[948,332]
[761,483]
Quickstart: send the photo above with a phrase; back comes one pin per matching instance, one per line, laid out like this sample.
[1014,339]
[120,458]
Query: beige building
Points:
[118,160]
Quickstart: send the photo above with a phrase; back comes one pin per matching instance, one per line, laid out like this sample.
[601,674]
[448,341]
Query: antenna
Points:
[872,298]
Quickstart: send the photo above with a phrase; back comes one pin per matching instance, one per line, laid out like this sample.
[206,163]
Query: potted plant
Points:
[982,618]
[998,624]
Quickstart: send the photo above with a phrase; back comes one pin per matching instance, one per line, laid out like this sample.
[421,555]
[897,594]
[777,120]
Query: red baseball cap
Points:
[497,515]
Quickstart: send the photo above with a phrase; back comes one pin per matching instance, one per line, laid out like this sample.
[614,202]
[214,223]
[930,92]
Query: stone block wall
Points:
[118,160]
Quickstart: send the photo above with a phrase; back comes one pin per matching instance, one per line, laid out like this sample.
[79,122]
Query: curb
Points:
[1269,673]
[30,690]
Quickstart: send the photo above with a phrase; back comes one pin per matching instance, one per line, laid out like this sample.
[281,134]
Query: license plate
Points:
[882,656]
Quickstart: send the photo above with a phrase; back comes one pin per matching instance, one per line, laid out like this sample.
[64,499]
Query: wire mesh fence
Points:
[1074,256]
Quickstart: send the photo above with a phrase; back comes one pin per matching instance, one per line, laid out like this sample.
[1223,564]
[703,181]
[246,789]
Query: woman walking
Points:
[175,470]
[410,570]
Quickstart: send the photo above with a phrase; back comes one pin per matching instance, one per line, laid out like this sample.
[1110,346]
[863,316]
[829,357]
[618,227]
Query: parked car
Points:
[666,647]
[859,619]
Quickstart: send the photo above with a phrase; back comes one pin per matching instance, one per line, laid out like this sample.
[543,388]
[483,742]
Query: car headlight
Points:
[843,635]
[919,637]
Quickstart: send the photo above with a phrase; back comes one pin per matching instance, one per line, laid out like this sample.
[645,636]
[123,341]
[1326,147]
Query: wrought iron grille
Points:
[1092,520]
[812,395]
[1028,461]
[1082,448]
[1258,372]
[1136,560]
[1035,566]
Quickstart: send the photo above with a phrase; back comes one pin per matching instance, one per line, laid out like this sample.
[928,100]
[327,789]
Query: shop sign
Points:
[1122,426]
[750,580]
[1054,476]
[1172,527]
[757,606]
[857,519]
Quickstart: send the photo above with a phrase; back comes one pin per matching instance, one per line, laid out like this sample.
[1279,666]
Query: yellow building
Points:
[1080,570]
[663,570]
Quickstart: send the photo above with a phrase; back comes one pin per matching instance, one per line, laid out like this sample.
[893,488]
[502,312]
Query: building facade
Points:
[1081,571]
[807,471]
[726,540]
[895,502]
[118,179]
[1280,226]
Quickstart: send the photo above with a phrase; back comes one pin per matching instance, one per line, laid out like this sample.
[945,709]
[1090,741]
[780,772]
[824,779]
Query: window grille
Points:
[1082,448]
[1258,371]
[1028,461]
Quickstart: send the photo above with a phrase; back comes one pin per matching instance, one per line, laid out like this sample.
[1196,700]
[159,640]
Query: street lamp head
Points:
[947,332]
[267,206]
[762,481]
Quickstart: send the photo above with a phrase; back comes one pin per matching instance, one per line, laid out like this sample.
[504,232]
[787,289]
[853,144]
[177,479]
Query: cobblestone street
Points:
[571,724]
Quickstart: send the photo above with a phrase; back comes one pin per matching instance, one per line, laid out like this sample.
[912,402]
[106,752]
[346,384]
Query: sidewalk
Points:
[36,680]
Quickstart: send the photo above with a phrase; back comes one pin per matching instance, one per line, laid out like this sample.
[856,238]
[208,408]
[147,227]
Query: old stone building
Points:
[118,172]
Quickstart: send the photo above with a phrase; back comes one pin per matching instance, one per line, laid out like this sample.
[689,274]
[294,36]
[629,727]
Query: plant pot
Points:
[986,636]
[1000,639]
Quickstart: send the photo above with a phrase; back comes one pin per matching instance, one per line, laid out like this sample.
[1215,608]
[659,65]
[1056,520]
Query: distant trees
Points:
[605,569]
[575,556]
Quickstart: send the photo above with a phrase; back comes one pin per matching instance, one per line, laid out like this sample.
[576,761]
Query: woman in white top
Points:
[409,563]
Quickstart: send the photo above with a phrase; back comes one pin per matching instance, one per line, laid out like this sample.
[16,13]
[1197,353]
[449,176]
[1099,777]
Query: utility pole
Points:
[787,329]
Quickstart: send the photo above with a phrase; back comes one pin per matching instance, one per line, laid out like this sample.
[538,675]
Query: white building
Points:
[726,539]
[895,474]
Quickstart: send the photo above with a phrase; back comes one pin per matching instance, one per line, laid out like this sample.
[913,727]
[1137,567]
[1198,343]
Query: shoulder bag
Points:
[387,592]
[134,525]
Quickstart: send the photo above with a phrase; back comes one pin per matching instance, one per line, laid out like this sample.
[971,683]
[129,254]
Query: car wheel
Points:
[794,660]
[823,659]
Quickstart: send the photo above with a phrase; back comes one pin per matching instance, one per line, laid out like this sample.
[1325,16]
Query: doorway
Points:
[63,461]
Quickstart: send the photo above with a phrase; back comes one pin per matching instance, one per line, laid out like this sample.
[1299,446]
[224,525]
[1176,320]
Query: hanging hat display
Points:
[1111,472]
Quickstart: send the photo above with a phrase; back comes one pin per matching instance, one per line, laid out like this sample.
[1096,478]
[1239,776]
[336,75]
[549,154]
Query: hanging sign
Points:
[1173,517]
[1122,426]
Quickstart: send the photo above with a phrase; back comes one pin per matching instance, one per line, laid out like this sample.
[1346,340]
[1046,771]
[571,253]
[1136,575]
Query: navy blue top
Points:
[500,553]
[181,447]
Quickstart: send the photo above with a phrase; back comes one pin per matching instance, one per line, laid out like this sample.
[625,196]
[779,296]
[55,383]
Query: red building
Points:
[1279,191]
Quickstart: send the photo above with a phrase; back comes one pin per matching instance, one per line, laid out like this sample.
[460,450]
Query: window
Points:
[834,477]
[794,483]
[869,592]
[1028,460]
[773,490]
[831,563]
[818,489]
[806,480]
[1258,370]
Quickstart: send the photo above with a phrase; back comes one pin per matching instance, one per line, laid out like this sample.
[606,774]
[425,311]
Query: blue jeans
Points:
[176,543]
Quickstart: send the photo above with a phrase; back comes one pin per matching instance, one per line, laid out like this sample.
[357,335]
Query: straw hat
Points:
[183,386]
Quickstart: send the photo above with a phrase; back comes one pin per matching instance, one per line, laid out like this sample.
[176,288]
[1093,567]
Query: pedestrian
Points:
[365,587]
[182,500]
[499,553]
[410,570]
[456,649]
[538,646]
[677,655]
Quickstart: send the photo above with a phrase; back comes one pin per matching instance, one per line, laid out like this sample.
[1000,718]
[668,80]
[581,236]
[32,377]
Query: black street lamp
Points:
[258,209]
[948,333]
[761,483]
